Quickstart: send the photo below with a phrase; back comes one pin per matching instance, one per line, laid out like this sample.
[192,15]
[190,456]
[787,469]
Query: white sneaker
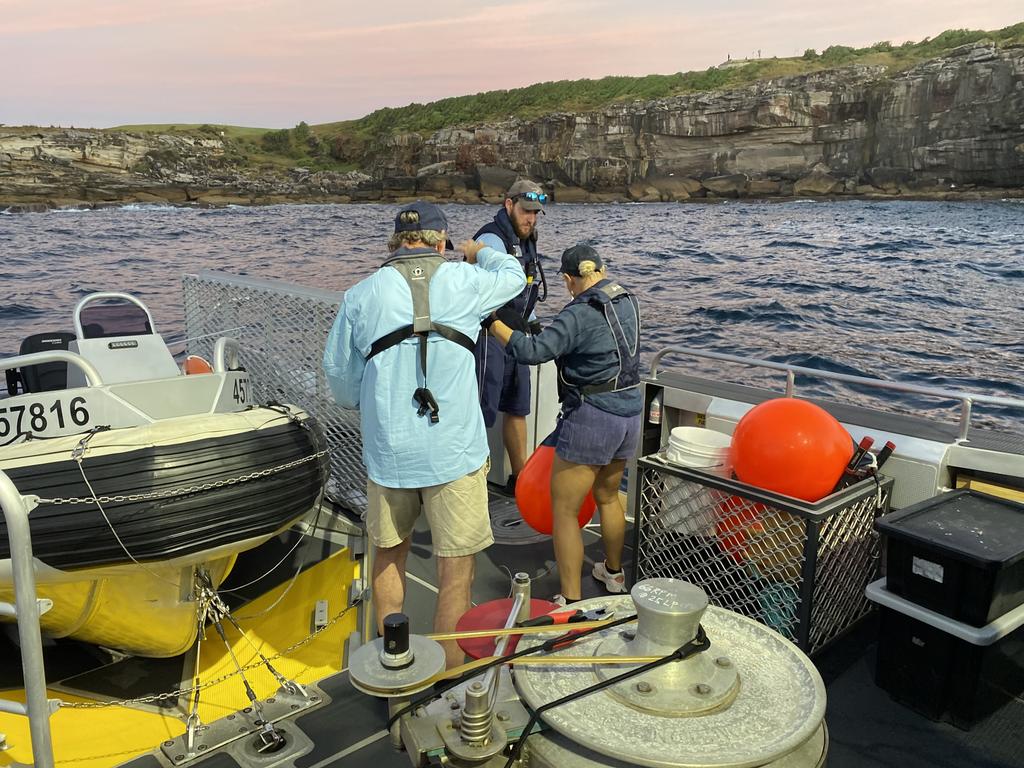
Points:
[560,601]
[613,582]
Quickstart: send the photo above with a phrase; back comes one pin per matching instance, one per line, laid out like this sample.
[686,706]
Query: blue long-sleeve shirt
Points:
[580,340]
[401,449]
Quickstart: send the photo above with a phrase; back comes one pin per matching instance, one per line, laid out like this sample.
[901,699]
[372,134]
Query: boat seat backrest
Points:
[116,335]
[125,358]
[46,377]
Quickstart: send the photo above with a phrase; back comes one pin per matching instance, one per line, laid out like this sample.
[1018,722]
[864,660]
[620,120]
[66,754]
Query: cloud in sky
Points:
[273,63]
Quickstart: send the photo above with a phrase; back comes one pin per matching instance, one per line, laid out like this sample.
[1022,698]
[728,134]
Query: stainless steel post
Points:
[520,612]
[16,512]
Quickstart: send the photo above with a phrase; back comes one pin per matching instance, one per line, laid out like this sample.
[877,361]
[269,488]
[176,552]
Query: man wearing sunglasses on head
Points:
[504,384]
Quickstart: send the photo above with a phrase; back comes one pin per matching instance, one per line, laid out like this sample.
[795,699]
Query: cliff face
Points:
[953,121]
[951,127]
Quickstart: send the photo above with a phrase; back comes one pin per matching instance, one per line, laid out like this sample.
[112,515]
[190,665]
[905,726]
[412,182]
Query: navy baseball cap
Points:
[571,258]
[420,216]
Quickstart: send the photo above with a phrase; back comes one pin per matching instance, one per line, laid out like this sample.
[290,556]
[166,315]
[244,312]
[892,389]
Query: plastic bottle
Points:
[654,411]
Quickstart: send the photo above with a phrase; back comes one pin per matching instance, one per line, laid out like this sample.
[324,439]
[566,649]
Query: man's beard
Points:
[519,225]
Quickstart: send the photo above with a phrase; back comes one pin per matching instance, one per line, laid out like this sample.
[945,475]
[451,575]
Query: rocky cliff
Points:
[951,127]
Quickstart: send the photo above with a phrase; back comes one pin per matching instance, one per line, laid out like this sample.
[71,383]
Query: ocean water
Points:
[919,292]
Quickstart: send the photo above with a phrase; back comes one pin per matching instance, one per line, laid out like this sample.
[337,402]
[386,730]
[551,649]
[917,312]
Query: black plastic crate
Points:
[799,567]
[960,554]
[945,677]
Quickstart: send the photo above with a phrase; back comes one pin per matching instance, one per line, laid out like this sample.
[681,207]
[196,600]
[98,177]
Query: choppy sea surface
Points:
[918,292]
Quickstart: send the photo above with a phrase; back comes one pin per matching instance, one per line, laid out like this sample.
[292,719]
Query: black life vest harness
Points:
[605,297]
[417,266]
[525,251]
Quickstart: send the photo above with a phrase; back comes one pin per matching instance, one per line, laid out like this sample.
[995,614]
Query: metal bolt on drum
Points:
[751,699]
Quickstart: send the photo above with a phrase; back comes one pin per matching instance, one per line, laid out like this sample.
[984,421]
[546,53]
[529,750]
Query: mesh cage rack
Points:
[282,329]
[797,567]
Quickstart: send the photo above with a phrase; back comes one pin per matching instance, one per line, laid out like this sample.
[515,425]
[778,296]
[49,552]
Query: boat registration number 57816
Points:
[37,417]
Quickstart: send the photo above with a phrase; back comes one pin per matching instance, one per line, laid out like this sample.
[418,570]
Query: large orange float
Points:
[533,492]
[791,447]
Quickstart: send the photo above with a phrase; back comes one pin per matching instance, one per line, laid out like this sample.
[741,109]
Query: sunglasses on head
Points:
[536,197]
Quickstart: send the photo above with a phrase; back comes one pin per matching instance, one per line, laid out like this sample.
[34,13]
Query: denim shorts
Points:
[588,435]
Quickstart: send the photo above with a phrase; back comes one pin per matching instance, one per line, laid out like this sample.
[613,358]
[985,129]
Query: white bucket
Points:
[700,448]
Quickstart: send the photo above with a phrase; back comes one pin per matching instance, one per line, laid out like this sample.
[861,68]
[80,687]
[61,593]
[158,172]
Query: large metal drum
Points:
[751,699]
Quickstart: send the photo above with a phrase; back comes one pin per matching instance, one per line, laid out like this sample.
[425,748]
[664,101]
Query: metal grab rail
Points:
[92,376]
[16,510]
[226,355]
[966,399]
[108,295]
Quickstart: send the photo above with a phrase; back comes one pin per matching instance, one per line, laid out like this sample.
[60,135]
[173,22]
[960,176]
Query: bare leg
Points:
[569,485]
[513,431]
[613,517]
[389,581]
[455,578]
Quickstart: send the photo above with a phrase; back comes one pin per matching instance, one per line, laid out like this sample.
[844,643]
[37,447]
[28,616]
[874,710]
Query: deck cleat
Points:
[269,739]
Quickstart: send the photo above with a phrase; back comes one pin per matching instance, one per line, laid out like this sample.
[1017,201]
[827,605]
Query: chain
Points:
[188,490]
[167,696]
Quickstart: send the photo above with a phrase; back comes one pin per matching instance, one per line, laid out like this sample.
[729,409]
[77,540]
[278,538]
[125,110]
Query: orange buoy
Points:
[791,447]
[196,364]
[533,492]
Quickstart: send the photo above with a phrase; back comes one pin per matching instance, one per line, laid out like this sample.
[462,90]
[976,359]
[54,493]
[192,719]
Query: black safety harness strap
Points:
[398,336]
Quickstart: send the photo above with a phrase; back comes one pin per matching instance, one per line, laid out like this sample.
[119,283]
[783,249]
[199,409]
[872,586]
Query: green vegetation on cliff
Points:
[580,95]
[344,145]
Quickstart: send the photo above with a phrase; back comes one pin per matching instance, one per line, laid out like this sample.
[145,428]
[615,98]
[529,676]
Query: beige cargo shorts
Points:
[456,512]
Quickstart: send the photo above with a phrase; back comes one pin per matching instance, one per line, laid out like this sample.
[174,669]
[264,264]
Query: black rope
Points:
[547,646]
[698,644]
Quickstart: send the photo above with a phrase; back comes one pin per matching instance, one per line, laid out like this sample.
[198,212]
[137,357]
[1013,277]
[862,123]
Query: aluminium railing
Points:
[966,399]
[26,611]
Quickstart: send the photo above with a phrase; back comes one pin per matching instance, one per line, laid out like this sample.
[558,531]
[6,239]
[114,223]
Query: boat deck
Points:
[866,727]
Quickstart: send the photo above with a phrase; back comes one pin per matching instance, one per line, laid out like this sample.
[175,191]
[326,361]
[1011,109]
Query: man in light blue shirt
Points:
[401,352]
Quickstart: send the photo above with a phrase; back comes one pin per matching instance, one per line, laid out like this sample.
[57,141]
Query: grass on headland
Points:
[229,131]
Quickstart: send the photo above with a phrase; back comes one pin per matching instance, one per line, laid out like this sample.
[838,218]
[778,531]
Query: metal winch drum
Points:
[752,698]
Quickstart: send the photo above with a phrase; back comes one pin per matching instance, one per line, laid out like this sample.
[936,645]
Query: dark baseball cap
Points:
[571,258]
[420,216]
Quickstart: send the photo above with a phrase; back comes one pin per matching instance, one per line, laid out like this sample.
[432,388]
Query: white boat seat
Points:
[119,340]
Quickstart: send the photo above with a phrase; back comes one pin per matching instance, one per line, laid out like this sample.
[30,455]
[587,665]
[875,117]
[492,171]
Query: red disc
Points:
[493,615]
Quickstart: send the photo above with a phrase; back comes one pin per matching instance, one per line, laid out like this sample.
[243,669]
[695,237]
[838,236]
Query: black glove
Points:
[535,327]
[512,319]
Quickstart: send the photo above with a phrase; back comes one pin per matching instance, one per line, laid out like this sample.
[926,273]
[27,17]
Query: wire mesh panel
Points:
[282,329]
[797,567]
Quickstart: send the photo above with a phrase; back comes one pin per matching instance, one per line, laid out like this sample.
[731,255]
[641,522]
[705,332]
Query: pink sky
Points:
[272,63]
